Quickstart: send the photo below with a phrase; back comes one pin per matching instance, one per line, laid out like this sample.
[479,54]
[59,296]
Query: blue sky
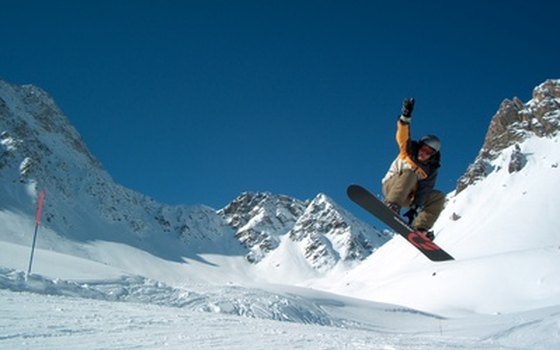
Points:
[194,102]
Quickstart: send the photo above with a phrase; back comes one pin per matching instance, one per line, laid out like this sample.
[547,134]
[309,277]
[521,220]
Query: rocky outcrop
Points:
[261,219]
[512,124]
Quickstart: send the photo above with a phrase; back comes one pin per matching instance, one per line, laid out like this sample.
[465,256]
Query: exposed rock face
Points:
[261,219]
[324,232]
[329,234]
[512,124]
[517,160]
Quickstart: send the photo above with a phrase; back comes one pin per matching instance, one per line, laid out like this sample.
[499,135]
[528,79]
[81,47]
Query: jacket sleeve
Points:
[405,151]
[403,137]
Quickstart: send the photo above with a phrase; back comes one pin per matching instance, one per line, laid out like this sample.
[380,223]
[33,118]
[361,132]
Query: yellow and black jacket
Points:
[408,159]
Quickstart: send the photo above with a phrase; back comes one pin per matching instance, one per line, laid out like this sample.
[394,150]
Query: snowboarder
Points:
[411,178]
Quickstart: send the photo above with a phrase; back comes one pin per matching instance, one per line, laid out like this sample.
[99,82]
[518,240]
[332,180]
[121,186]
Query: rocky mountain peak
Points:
[324,233]
[513,123]
[249,205]
[261,219]
[328,234]
[32,116]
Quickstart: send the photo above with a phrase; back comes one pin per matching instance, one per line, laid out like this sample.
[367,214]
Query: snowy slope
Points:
[503,232]
[95,306]
[150,276]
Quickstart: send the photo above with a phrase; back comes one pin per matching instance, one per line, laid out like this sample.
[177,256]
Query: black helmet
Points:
[432,141]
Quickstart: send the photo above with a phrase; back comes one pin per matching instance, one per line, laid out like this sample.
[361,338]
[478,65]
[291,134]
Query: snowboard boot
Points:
[394,207]
[429,234]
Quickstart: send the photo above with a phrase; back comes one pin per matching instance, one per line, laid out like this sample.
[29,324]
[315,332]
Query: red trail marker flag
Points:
[37,222]
[40,207]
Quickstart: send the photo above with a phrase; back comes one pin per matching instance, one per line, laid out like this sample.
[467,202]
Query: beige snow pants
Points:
[400,189]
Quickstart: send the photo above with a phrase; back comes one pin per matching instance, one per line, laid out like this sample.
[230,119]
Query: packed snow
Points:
[73,303]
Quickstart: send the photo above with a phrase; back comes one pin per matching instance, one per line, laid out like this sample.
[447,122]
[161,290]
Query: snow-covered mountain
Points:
[261,219]
[322,231]
[41,150]
[328,234]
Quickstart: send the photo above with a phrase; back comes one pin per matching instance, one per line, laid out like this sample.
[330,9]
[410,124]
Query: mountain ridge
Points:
[42,150]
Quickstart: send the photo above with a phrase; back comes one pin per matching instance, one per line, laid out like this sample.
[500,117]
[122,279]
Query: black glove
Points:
[411,214]
[407,108]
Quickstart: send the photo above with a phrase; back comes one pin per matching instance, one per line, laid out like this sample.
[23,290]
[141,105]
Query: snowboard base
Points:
[418,239]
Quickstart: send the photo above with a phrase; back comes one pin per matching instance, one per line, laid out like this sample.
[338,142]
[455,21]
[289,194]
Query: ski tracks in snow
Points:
[136,312]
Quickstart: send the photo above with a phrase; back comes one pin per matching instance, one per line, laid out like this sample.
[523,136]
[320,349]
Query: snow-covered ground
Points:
[94,306]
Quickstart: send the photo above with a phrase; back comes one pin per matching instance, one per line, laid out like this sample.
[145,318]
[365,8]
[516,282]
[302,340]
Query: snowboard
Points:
[375,206]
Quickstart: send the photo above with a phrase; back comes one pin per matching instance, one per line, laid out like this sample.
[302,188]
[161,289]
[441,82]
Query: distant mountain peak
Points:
[324,232]
[248,204]
[513,123]
[260,219]
[328,234]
